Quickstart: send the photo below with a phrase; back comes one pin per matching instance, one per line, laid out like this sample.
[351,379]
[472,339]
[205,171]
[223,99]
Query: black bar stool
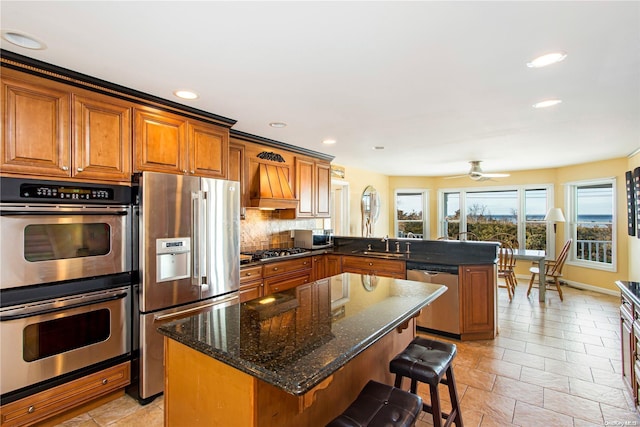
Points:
[428,361]
[380,405]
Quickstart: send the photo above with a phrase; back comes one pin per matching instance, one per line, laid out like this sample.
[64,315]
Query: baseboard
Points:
[525,280]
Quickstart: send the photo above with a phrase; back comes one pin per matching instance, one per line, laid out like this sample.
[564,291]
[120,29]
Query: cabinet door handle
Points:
[275,268]
[192,172]
[370,263]
[79,169]
[105,381]
[64,168]
[31,409]
[184,171]
[304,263]
[248,274]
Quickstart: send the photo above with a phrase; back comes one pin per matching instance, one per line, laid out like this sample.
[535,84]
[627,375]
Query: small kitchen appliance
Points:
[313,239]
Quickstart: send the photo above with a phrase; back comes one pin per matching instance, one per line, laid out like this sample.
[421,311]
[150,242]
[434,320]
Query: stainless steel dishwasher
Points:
[442,315]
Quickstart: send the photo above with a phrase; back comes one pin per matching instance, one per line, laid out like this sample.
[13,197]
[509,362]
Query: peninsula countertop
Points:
[297,338]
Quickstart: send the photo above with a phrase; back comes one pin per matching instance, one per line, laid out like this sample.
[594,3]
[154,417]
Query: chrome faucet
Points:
[385,239]
[398,247]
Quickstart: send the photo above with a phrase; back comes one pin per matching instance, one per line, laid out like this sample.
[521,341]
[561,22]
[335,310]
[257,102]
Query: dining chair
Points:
[506,271]
[467,235]
[511,240]
[553,270]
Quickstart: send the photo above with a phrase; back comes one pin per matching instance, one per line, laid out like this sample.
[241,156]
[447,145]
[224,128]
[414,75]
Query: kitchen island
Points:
[298,357]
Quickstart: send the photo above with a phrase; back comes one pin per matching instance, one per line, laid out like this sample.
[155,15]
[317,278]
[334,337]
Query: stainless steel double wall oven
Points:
[65,282]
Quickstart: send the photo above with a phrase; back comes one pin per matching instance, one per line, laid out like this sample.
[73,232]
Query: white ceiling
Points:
[436,83]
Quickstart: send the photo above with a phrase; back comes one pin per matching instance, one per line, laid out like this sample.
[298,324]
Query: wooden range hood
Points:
[274,189]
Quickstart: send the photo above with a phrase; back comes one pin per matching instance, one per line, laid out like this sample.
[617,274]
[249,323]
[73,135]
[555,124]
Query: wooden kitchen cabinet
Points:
[319,265]
[55,130]
[54,401]
[333,264]
[478,294]
[251,285]
[165,142]
[282,275]
[374,266]
[237,172]
[313,187]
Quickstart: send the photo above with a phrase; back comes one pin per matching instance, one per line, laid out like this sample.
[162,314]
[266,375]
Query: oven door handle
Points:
[58,309]
[60,213]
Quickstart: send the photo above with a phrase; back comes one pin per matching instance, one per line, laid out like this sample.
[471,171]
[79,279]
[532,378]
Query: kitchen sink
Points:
[384,254]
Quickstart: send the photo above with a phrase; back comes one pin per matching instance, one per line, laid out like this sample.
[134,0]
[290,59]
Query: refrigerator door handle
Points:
[204,245]
[195,238]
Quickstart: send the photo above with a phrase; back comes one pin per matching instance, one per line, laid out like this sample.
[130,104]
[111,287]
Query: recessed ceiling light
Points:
[329,141]
[378,147]
[278,124]
[23,40]
[548,59]
[185,94]
[547,103]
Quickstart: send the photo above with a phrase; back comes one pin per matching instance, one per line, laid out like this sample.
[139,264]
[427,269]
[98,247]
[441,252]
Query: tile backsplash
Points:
[265,230]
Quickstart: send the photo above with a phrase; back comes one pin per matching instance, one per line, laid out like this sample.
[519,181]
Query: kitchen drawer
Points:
[251,290]
[380,267]
[284,282]
[57,400]
[281,267]
[248,274]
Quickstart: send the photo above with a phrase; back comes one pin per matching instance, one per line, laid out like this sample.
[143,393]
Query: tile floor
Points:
[555,364]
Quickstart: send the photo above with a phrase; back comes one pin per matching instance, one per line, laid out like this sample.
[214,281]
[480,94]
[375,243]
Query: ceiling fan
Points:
[476,174]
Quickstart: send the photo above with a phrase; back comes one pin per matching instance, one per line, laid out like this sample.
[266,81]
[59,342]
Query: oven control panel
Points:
[62,192]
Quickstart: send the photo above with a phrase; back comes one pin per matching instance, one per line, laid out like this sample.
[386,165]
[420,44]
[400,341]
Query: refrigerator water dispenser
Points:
[173,259]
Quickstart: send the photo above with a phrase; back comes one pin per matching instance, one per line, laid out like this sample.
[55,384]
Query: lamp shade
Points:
[554,215]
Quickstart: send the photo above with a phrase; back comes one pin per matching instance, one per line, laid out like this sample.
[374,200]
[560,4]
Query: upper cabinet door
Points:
[102,138]
[323,189]
[160,142]
[208,150]
[36,136]
[305,187]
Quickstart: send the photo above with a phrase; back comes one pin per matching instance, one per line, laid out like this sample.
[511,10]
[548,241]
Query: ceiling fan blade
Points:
[495,175]
[456,176]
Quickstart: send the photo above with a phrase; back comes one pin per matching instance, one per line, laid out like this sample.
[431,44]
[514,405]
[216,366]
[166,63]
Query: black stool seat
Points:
[380,405]
[430,362]
[424,360]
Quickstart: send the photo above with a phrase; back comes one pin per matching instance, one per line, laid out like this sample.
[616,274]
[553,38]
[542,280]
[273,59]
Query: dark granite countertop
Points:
[631,290]
[297,338]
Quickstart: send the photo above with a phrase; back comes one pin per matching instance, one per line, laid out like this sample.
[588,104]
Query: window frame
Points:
[521,221]
[425,210]
[572,229]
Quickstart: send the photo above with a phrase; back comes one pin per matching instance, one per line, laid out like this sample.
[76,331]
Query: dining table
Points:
[539,257]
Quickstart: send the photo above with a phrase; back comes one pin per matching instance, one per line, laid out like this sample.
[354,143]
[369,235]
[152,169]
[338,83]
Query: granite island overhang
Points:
[301,355]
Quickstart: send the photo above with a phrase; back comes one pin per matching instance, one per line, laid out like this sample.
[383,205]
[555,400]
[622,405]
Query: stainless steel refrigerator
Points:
[189,261]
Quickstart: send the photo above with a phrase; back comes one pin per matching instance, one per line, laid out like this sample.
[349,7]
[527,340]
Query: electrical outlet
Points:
[292,232]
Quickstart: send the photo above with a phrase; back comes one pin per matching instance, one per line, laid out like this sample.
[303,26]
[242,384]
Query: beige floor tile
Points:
[115,410]
[500,367]
[546,351]
[521,391]
[570,369]
[590,361]
[545,379]
[598,393]
[150,415]
[614,416]
[524,359]
[83,420]
[475,378]
[496,406]
[573,406]
[526,415]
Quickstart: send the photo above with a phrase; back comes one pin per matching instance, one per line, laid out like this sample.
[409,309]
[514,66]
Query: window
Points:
[516,211]
[591,212]
[411,220]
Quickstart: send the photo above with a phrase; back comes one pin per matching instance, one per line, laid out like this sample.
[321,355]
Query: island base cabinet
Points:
[207,392]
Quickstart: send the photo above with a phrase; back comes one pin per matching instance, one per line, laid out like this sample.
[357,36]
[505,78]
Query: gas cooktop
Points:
[272,253]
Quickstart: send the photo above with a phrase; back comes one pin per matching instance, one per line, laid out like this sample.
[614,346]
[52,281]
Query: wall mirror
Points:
[370,208]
